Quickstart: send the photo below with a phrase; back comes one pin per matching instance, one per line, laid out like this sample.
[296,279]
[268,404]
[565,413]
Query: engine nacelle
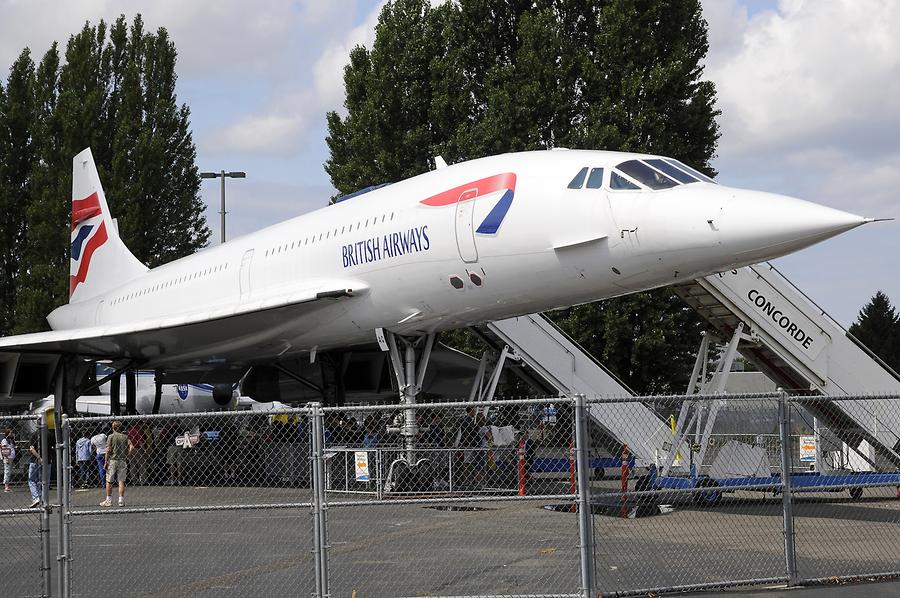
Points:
[222,394]
[262,384]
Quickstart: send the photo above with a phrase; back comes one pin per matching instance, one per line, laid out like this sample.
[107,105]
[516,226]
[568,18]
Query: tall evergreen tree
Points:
[18,117]
[114,93]
[878,327]
[17,148]
[46,214]
[477,77]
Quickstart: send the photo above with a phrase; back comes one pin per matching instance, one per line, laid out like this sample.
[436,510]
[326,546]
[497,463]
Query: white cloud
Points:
[258,133]
[808,92]
[810,71]
[231,46]
[329,69]
[210,36]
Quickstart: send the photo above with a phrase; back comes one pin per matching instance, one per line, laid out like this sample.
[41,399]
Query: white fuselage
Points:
[555,247]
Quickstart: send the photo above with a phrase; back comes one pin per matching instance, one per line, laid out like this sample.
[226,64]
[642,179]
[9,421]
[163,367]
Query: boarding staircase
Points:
[550,360]
[805,351]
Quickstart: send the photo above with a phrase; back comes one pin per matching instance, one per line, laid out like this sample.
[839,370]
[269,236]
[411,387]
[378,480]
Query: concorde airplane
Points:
[463,244]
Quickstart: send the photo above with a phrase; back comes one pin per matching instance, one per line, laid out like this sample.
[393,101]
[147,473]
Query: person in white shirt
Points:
[83,458]
[98,441]
[8,451]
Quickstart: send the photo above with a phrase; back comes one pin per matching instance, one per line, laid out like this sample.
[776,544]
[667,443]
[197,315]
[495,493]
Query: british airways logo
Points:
[502,185]
[88,233]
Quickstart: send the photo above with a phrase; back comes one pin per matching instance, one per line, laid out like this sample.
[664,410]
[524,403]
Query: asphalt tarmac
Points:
[494,548]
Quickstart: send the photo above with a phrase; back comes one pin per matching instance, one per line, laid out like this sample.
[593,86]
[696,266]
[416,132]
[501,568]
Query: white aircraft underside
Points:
[473,242]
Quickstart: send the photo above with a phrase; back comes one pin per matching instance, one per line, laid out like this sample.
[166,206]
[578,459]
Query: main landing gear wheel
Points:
[646,504]
[708,498]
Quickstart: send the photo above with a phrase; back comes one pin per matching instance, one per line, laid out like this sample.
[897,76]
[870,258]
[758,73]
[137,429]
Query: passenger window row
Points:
[313,239]
[170,283]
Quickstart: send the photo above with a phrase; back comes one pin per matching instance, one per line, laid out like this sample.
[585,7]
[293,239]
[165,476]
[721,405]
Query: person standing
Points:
[8,452]
[35,468]
[137,438]
[119,448]
[83,458]
[98,441]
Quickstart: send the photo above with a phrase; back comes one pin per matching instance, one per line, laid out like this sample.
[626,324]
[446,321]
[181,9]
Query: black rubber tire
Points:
[710,498]
[649,504]
[856,493]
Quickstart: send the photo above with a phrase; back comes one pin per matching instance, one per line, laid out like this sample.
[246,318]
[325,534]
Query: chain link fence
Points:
[505,498]
[24,506]
[213,503]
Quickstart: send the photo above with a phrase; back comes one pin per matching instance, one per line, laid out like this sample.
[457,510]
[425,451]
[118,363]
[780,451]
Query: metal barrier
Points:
[755,509]
[25,509]
[510,497]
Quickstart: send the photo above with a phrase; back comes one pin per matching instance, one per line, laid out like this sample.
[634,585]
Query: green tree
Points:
[17,146]
[114,93]
[878,327]
[41,261]
[476,77]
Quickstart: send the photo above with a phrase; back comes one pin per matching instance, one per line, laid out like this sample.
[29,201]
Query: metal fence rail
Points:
[502,498]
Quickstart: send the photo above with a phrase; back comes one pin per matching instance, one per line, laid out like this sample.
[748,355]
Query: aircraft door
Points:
[245,274]
[465,229]
[626,209]
[630,239]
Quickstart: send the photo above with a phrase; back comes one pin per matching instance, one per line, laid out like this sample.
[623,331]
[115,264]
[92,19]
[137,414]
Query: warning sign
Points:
[362,466]
[807,449]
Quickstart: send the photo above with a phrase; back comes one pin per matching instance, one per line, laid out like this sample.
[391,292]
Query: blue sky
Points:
[809,89]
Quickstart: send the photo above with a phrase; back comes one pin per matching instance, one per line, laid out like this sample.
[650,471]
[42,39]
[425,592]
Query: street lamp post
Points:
[222,174]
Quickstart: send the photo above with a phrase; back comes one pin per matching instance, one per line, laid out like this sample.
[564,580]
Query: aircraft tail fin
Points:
[99,260]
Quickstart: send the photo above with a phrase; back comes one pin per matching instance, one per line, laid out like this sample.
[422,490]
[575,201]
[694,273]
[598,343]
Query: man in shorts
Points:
[118,449]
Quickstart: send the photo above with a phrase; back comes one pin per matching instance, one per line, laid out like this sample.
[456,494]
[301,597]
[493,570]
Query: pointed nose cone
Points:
[762,226]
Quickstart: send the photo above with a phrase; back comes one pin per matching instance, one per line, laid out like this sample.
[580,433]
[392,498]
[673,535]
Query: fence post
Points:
[45,501]
[450,472]
[378,472]
[624,482]
[585,520]
[784,428]
[66,493]
[520,452]
[60,516]
[320,532]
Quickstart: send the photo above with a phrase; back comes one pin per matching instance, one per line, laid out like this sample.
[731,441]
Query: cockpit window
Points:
[595,180]
[617,182]
[690,170]
[678,175]
[578,181]
[646,175]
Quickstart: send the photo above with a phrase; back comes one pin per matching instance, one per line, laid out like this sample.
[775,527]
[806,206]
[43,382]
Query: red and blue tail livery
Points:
[88,233]
[499,185]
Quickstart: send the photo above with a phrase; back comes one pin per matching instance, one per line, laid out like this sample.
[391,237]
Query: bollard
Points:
[624,510]
[522,466]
